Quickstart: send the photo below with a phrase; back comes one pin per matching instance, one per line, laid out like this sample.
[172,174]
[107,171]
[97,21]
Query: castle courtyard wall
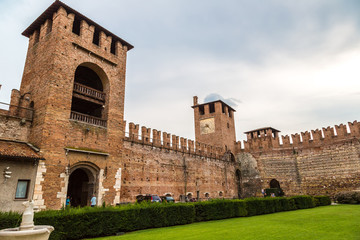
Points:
[154,170]
[324,161]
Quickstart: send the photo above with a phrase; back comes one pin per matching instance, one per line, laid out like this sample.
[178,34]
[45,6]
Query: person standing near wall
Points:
[93,201]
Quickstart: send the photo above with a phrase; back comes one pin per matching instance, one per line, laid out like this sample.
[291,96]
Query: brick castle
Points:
[65,134]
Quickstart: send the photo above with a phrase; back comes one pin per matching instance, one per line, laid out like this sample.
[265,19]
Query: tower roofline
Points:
[198,105]
[48,13]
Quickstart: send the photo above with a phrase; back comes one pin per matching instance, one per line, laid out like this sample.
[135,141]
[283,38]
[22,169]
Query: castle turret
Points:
[214,124]
[75,77]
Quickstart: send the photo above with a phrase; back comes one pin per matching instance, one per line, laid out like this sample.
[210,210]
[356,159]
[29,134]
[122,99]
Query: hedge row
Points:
[348,197]
[77,223]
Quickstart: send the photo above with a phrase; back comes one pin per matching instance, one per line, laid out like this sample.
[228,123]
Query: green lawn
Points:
[330,222]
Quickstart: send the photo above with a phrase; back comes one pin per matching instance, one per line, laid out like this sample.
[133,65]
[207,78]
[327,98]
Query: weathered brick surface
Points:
[13,128]
[322,163]
[49,77]
[222,133]
[149,170]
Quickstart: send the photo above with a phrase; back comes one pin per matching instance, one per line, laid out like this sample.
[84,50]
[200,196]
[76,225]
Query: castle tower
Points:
[214,124]
[74,76]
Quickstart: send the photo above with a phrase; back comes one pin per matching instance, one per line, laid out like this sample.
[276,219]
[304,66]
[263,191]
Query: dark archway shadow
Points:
[82,184]
[274,184]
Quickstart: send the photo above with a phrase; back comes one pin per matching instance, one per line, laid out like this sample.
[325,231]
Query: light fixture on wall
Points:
[7,173]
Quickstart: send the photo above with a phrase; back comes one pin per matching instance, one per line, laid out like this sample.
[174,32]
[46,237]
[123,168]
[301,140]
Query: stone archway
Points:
[274,184]
[238,182]
[83,183]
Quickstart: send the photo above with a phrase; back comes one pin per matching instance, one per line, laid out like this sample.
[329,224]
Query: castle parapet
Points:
[354,128]
[171,142]
[66,21]
[260,140]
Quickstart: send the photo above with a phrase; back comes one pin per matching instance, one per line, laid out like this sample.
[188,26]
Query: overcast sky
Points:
[291,65]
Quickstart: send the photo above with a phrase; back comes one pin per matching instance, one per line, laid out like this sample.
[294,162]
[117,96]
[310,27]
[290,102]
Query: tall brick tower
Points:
[75,77]
[214,124]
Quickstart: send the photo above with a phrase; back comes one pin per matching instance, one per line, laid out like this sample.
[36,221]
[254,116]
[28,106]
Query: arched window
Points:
[89,98]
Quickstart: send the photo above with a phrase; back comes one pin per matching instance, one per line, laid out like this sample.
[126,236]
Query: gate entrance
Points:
[81,187]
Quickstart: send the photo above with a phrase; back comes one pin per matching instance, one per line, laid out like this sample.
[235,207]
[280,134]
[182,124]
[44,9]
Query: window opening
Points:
[88,102]
[96,37]
[223,107]
[212,107]
[112,49]
[76,26]
[22,189]
[201,110]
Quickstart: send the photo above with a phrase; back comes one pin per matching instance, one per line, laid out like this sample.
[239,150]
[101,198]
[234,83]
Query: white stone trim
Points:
[117,186]
[38,191]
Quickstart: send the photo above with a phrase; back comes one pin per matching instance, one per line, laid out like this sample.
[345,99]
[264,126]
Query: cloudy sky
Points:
[291,65]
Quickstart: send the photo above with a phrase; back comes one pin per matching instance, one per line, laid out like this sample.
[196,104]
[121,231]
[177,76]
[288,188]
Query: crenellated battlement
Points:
[79,29]
[261,140]
[164,140]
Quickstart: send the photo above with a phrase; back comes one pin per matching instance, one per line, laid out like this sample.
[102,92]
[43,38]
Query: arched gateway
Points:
[83,183]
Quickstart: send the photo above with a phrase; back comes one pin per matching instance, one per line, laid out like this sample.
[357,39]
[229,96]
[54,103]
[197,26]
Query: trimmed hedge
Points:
[77,223]
[302,202]
[322,200]
[219,209]
[9,219]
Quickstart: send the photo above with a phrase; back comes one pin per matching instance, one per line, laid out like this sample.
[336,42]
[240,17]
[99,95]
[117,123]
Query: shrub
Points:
[9,219]
[348,197]
[287,204]
[302,202]
[77,223]
[219,209]
[322,200]
[255,206]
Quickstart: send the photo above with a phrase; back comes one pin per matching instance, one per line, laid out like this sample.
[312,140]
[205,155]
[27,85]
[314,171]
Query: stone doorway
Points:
[82,185]
[274,184]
